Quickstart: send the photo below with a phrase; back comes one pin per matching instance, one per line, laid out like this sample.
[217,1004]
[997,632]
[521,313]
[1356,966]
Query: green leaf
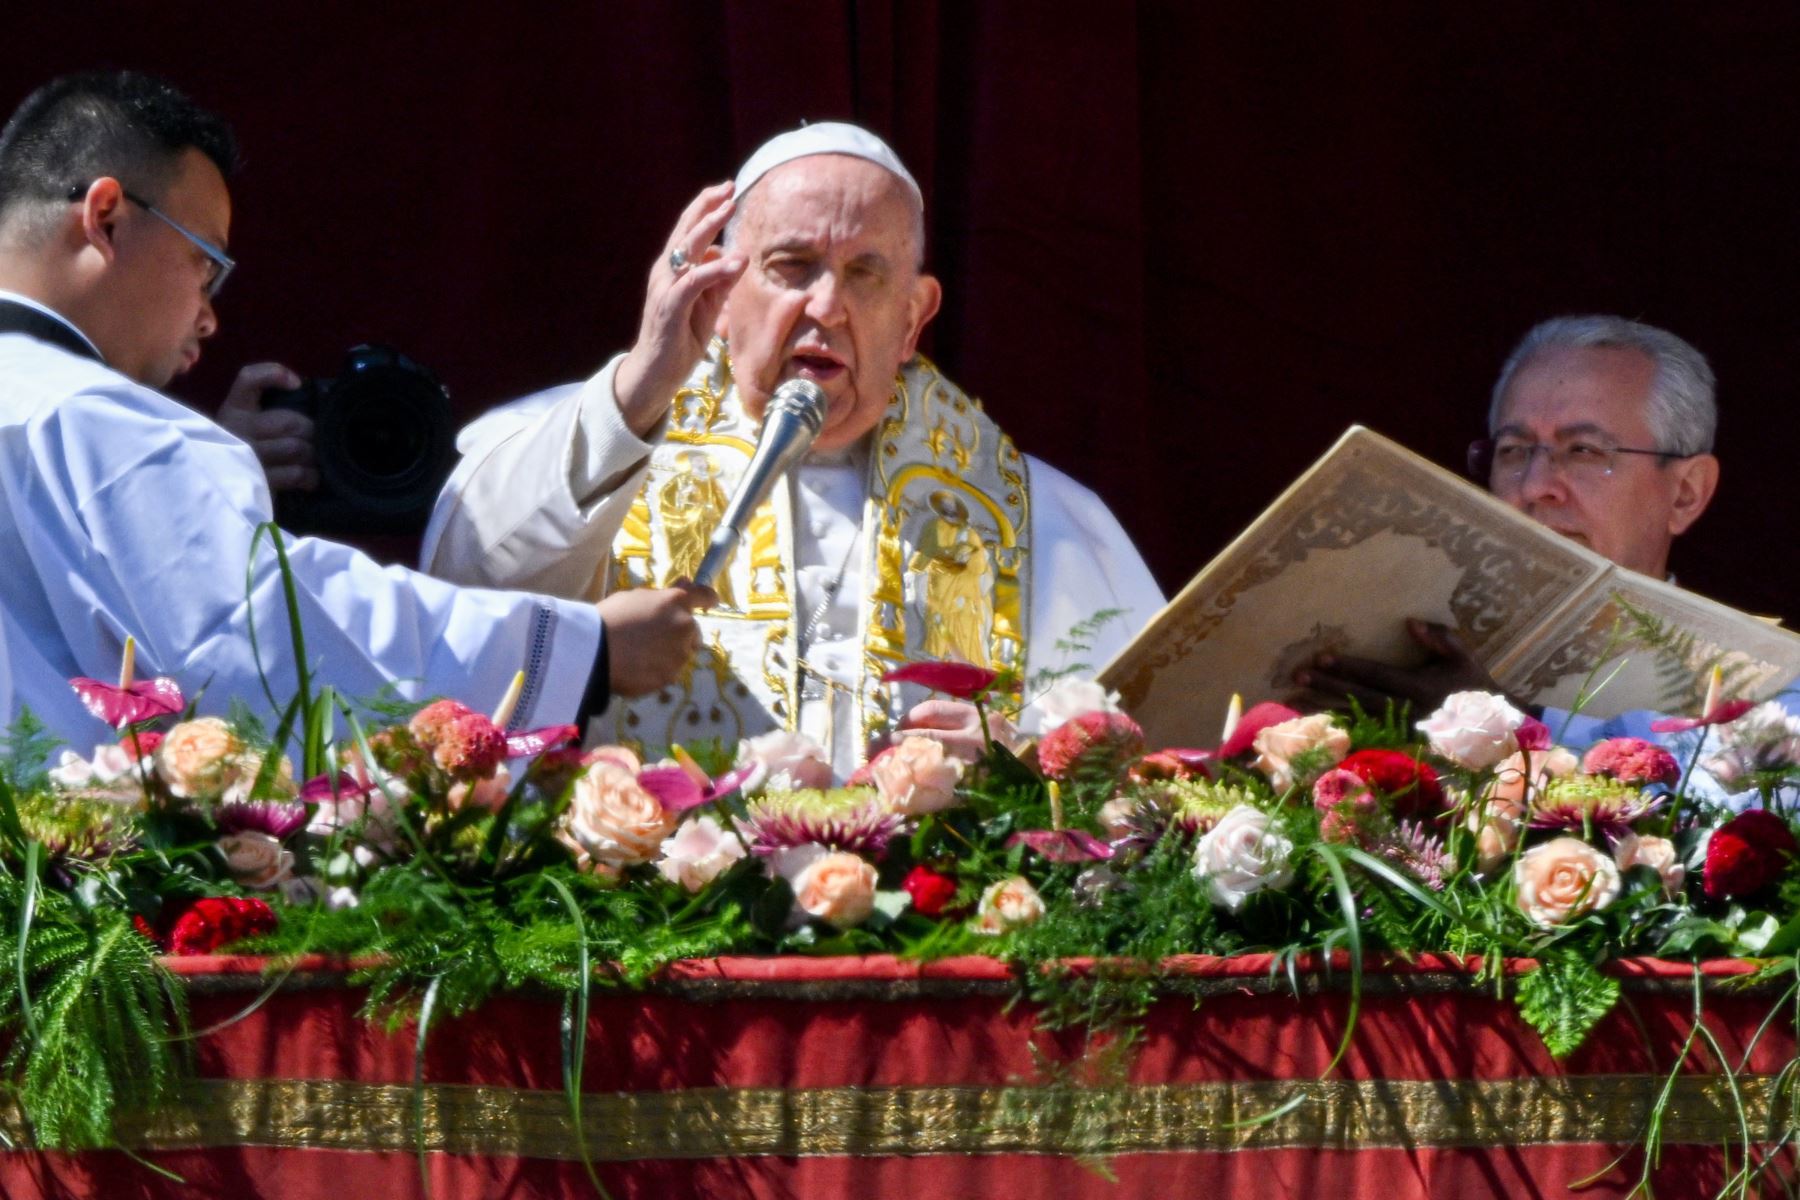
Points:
[1565,998]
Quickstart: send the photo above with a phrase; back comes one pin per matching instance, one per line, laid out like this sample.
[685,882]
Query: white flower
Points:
[698,853]
[1767,738]
[1241,855]
[111,764]
[1067,699]
[785,762]
[1473,729]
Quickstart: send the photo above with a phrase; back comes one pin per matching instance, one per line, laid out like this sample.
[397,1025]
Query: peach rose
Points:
[242,775]
[256,860]
[1564,879]
[196,757]
[1115,817]
[1007,905]
[916,777]
[835,886]
[1322,744]
[1658,854]
[612,819]
[1494,841]
[1508,795]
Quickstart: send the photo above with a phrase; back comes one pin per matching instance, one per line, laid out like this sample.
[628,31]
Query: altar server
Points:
[915,530]
[124,514]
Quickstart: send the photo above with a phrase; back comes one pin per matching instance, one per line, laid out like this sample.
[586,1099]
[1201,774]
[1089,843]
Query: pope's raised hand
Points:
[651,634]
[687,290]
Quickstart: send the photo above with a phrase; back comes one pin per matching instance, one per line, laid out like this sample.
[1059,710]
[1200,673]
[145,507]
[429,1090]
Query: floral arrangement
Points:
[459,859]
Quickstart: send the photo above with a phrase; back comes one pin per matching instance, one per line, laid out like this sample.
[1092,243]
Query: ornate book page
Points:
[1373,534]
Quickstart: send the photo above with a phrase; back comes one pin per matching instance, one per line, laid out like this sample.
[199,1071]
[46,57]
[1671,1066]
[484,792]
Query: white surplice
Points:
[545,482]
[124,513]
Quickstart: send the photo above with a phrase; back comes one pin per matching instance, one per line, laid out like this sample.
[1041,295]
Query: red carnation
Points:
[429,723]
[1632,760]
[1410,787]
[1747,853]
[217,921]
[930,891]
[1093,746]
[1168,765]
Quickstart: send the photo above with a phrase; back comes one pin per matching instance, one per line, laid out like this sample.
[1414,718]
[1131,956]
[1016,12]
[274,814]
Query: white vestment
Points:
[125,513]
[545,483]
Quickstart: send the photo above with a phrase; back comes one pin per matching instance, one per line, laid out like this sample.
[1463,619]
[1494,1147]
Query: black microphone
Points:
[796,414]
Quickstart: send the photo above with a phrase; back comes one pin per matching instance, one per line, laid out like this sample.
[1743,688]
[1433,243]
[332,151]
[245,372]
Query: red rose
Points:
[1409,786]
[1093,746]
[141,744]
[1747,853]
[929,890]
[217,921]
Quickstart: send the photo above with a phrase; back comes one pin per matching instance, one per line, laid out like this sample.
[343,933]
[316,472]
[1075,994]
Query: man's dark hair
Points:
[77,128]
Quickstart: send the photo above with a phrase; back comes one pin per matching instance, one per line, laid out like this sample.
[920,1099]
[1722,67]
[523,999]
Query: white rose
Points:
[256,860]
[1241,855]
[785,762]
[1473,729]
[698,853]
[1067,699]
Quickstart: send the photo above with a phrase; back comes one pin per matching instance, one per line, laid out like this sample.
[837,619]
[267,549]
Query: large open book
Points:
[1373,534]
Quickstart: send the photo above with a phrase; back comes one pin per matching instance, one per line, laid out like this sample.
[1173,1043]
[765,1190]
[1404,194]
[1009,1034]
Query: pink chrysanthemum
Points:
[853,819]
[1094,746]
[1632,760]
[1590,804]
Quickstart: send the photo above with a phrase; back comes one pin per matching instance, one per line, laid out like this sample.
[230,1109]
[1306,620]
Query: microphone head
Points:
[801,398]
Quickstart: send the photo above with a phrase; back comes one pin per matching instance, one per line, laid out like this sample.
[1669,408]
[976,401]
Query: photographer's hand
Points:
[681,307]
[651,634]
[282,438]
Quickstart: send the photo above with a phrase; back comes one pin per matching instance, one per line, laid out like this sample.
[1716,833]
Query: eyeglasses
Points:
[222,263]
[1510,462]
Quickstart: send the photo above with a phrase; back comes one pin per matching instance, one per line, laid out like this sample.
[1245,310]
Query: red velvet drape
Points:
[1183,246]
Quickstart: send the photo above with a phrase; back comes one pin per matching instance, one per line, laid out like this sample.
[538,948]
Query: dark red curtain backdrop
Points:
[1183,246]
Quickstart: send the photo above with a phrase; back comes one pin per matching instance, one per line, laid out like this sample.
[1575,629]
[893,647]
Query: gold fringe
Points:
[873,1121]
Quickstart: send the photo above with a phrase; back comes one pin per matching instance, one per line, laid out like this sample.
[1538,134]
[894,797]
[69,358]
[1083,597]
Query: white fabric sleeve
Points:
[1083,564]
[542,488]
[154,519]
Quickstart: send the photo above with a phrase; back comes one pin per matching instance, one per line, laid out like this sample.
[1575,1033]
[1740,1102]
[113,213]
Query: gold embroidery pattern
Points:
[877,1121]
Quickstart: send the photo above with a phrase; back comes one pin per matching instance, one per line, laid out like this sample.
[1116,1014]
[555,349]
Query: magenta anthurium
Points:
[677,789]
[144,700]
[343,785]
[536,741]
[1063,845]
[1722,713]
[965,681]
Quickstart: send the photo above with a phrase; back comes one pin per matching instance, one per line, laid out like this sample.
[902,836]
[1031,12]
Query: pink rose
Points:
[1007,905]
[916,777]
[835,886]
[699,852]
[612,819]
[256,860]
[1473,729]
[1315,740]
[196,757]
[1564,879]
[786,762]
[1658,854]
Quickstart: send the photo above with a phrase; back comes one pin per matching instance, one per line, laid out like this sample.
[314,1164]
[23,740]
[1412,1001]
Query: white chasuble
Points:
[941,564]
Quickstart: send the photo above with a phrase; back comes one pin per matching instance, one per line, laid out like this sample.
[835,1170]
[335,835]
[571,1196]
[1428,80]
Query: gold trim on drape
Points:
[877,1121]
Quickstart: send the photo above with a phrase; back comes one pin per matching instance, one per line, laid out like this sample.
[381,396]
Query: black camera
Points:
[384,439]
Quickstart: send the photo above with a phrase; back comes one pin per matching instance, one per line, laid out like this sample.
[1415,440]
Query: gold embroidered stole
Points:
[945,559]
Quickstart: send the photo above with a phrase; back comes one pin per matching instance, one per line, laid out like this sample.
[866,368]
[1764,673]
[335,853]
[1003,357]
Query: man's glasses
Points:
[222,263]
[1510,461]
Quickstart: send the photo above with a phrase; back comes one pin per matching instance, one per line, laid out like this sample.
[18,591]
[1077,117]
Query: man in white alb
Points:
[853,566]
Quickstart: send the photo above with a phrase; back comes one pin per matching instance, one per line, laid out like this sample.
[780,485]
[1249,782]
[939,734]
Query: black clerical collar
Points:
[34,322]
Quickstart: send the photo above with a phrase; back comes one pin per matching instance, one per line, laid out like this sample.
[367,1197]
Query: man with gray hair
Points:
[914,530]
[1600,428]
